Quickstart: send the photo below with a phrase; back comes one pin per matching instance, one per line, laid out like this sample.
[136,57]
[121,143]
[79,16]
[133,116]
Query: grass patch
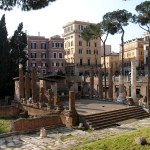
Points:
[123,142]
[5,125]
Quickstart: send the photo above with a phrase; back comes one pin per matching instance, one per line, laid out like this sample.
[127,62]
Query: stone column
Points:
[41,98]
[34,88]
[122,97]
[71,101]
[110,91]
[56,100]
[27,86]
[50,99]
[133,79]
[100,84]
[91,82]
[21,82]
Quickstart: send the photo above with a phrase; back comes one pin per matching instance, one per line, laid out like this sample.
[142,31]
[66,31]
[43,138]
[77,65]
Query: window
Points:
[33,45]
[95,44]
[81,62]
[80,51]
[80,27]
[80,43]
[88,44]
[44,71]
[71,43]
[54,55]
[95,51]
[43,64]
[33,64]
[52,63]
[88,51]
[33,55]
[43,45]
[43,55]
[88,62]
[60,55]
[57,64]
[62,64]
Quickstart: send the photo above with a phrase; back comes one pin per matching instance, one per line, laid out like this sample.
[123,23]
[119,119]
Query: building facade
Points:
[111,61]
[56,54]
[47,55]
[79,54]
[133,50]
[146,48]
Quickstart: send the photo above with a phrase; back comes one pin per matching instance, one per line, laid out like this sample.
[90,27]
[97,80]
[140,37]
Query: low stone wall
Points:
[34,111]
[34,123]
[9,111]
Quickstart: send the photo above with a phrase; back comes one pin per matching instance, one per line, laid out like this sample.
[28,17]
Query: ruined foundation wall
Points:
[35,123]
[9,111]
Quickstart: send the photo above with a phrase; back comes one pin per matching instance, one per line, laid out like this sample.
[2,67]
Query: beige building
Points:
[80,55]
[112,60]
[133,49]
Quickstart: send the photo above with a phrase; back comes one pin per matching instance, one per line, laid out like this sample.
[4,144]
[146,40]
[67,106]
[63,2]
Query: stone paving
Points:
[65,138]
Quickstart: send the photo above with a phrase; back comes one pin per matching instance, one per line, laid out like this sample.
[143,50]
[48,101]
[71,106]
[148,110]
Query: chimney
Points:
[38,33]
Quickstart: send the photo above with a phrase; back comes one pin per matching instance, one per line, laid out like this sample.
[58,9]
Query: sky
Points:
[49,21]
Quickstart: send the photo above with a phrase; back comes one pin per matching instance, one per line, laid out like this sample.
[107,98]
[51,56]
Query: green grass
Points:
[5,125]
[122,142]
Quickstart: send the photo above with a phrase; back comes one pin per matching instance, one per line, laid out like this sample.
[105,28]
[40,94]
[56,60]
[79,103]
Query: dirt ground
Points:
[87,106]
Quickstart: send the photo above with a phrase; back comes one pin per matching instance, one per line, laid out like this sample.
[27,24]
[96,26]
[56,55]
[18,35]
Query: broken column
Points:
[69,117]
[122,97]
[71,100]
[50,99]
[34,88]
[21,82]
[27,86]
[133,79]
[91,82]
[100,84]
[110,91]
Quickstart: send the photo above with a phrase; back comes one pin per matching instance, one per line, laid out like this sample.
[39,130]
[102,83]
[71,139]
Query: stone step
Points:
[113,115]
[111,118]
[110,112]
[132,114]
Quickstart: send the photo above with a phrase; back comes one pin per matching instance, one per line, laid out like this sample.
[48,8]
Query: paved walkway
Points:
[64,138]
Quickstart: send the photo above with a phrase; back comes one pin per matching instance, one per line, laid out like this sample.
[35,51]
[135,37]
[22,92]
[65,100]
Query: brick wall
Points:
[34,123]
[9,111]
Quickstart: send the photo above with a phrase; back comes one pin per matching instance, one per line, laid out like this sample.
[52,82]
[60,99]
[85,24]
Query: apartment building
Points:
[56,54]
[107,50]
[79,54]
[112,60]
[47,55]
[146,48]
[133,50]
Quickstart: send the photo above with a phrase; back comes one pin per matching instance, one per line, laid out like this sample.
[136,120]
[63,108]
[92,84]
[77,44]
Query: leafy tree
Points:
[120,18]
[18,42]
[99,30]
[143,20]
[4,53]
[25,5]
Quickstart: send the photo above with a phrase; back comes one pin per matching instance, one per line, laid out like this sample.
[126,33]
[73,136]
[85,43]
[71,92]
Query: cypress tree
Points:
[4,54]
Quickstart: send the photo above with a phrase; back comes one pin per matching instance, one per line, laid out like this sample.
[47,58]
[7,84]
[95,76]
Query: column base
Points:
[121,98]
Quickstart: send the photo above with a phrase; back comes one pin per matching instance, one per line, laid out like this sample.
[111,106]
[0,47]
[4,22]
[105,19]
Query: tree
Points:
[25,5]
[4,53]
[120,18]
[143,20]
[18,42]
[99,30]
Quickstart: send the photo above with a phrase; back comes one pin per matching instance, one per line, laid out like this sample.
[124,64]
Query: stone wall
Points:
[35,123]
[9,111]
[34,111]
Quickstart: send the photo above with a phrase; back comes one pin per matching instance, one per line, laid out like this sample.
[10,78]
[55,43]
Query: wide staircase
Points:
[113,118]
